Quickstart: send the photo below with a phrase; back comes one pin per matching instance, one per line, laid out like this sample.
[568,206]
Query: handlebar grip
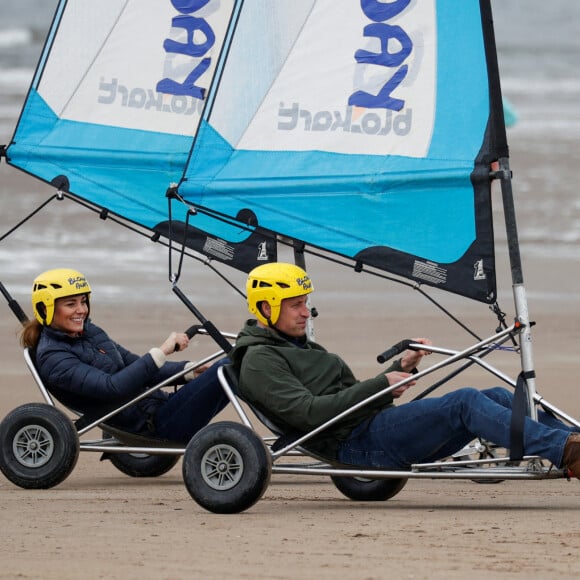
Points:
[394,350]
[191,332]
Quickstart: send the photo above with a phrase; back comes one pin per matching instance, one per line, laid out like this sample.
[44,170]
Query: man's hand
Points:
[395,377]
[412,358]
[193,374]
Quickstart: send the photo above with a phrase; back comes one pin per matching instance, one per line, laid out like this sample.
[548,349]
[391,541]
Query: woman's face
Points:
[70,313]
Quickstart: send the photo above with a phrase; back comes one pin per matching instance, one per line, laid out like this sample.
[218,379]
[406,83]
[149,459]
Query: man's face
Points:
[294,314]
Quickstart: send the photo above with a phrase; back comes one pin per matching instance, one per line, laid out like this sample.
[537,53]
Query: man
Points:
[299,385]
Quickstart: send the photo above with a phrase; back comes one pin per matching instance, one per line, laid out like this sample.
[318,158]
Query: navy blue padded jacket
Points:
[93,375]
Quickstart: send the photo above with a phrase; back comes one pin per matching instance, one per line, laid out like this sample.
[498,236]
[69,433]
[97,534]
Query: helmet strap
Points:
[261,310]
[41,309]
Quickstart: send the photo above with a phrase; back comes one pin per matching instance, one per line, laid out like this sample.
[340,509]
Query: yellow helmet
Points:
[273,283]
[53,284]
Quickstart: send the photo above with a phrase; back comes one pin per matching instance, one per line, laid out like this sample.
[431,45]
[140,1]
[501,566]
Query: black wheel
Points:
[39,446]
[226,467]
[141,464]
[363,489]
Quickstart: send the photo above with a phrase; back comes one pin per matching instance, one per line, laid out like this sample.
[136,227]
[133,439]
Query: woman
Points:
[91,374]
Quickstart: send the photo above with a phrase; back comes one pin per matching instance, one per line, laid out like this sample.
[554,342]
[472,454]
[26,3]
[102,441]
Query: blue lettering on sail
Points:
[378,12]
[200,40]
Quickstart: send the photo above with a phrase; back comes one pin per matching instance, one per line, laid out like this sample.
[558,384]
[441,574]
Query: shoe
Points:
[571,456]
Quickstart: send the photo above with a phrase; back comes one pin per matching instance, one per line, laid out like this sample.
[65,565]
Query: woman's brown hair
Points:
[30,334]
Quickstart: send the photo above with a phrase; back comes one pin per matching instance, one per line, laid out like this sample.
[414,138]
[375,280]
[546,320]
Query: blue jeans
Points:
[191,407]
[434,428]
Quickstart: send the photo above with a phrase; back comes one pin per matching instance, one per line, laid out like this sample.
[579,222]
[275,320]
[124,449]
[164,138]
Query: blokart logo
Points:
[348,121]
[175,93]
[392,64]
[371,114]
[142,98]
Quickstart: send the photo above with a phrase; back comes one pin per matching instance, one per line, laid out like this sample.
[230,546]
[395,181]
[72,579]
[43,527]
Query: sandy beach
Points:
[100,523]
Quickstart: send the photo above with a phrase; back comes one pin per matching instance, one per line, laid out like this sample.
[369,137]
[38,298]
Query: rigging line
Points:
[104,214]
[502,323]
[415,286]
[173,194]
[173,278]
[155,237]
[33,213]
[207,262]
[443,309]
[194,209]
[489,349]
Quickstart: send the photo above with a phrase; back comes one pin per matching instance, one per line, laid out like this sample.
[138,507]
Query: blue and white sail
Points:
[361,127]
[117,98]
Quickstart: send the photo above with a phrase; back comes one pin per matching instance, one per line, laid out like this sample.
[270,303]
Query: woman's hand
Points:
[176,341]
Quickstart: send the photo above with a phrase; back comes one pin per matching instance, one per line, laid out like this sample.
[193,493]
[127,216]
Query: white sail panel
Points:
[306,105]
[109,58]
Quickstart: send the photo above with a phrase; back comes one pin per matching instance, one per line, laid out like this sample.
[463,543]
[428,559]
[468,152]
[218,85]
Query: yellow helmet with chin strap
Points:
[272,283]
[53,284]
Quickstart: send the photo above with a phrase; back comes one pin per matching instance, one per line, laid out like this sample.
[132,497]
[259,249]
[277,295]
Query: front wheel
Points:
[226,467]
[39,446]
[363,489]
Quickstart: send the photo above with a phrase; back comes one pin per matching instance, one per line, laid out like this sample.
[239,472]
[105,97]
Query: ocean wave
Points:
[541,86]
[564,129]
[15,80]
[14,37]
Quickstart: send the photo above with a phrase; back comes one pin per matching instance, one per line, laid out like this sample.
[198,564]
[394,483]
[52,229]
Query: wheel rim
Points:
[33,446]
[222,467]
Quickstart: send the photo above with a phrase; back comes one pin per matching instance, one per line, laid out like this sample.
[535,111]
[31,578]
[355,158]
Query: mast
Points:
[503,173]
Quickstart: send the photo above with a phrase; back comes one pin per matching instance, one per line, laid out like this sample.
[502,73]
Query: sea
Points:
[539,56]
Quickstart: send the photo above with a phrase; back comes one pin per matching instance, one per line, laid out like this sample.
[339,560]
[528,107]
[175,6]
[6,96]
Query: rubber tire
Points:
[141,464]
[39,446]
[226,467]
[362,489]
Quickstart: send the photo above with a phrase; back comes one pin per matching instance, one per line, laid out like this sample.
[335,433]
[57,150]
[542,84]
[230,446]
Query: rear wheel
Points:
[39,446]
[141,464]
[363,489]
[226,467]
[481,449]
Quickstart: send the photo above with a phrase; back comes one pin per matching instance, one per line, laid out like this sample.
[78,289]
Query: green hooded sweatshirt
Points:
[301,386]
